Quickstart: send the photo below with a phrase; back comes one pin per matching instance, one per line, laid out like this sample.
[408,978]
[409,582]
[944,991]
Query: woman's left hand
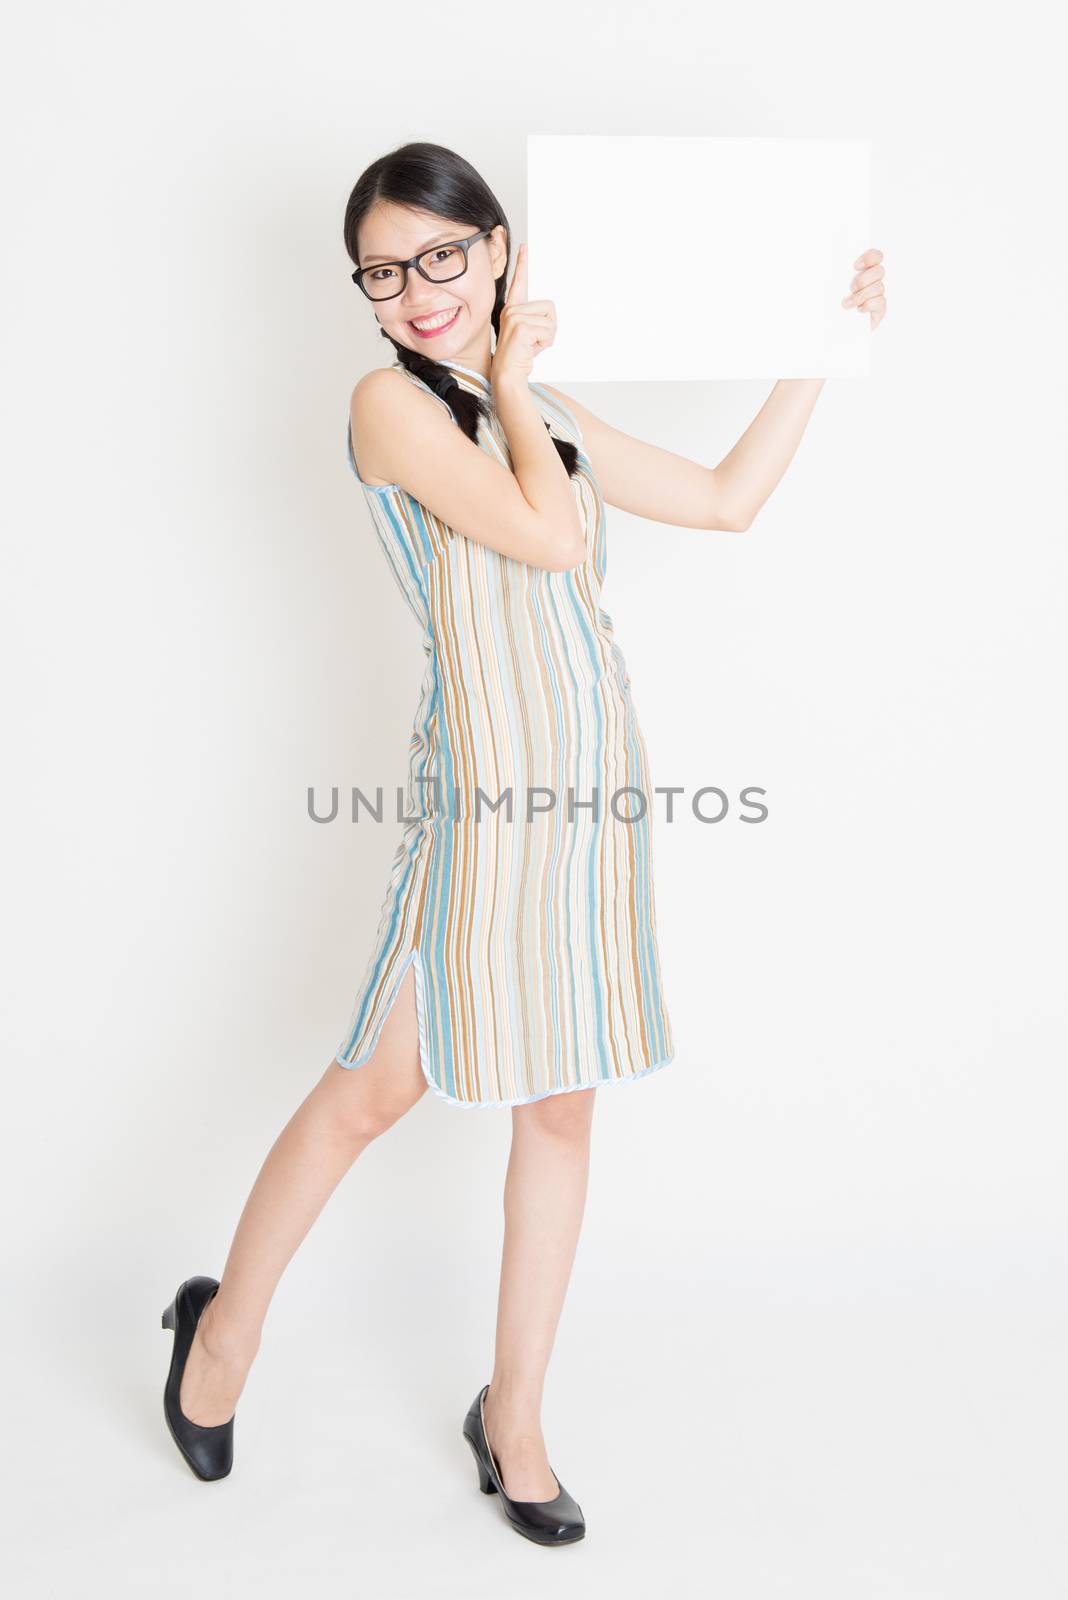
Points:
[868,291]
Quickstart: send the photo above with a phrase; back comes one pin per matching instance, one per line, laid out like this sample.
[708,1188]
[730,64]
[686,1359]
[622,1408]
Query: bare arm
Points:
[401,435]
[537,465]
[651,482]
[750,471]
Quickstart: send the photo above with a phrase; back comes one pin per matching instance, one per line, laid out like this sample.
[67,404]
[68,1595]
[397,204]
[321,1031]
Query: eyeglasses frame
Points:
[450,244]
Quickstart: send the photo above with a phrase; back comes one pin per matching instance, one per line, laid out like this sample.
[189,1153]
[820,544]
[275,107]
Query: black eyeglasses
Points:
[439,265]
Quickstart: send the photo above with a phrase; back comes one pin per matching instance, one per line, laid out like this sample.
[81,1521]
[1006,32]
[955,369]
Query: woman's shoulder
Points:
[382,379]
[366,413]
[392,380]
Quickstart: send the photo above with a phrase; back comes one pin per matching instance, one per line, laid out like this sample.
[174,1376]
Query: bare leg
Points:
[544,1199]
[347,1108]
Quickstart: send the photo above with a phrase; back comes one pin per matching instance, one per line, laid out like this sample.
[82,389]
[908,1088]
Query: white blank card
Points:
[690,257]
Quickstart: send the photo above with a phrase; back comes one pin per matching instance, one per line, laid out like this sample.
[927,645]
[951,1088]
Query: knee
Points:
[360,1124]
[362,1111]
[564,1118]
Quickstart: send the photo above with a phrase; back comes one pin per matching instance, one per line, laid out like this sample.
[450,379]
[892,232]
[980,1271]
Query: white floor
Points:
[885,1423]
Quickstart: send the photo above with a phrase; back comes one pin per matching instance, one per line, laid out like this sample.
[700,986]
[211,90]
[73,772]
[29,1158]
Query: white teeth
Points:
[434,322]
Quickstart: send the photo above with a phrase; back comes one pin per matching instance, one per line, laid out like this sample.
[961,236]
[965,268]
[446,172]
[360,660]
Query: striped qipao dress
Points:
[533,937]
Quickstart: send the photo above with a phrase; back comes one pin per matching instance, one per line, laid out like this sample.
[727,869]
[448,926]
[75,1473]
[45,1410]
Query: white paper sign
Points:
[690,257]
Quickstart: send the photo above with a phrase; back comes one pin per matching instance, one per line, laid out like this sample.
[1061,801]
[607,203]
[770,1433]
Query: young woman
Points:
[516,961]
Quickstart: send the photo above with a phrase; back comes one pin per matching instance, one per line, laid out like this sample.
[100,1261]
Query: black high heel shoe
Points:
[557,1521]
[208,1450]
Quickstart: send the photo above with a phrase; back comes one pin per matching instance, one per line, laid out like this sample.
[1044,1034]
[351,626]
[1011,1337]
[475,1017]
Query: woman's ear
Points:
[498,243]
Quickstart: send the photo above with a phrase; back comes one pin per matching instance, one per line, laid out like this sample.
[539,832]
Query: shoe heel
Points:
[168,1316]
[485,1482]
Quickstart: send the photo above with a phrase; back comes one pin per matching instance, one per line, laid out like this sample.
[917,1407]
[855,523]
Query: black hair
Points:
[429,177]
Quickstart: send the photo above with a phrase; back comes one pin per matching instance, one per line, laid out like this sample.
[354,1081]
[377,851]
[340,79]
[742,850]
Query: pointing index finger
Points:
[518,290]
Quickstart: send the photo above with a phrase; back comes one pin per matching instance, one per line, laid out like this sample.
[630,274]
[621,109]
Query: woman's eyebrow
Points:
[437,239]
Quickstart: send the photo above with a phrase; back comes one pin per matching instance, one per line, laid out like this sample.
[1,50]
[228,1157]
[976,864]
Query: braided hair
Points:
[429,177]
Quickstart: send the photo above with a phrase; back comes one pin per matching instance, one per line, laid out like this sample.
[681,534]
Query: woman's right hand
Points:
[527,326]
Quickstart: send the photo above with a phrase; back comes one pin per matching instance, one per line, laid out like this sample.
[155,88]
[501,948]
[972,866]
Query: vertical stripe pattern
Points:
[533,936]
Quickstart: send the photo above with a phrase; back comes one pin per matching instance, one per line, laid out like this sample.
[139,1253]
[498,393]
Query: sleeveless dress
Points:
[533,936]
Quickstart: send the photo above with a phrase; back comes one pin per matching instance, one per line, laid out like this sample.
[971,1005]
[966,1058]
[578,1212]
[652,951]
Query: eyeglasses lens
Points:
[440,265]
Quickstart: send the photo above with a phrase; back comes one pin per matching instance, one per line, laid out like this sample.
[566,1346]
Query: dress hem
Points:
[413,957]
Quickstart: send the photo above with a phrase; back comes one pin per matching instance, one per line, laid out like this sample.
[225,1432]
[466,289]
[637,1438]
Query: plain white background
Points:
[815,1333]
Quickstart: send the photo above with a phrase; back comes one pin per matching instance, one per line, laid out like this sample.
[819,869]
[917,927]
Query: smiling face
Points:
[391,232]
